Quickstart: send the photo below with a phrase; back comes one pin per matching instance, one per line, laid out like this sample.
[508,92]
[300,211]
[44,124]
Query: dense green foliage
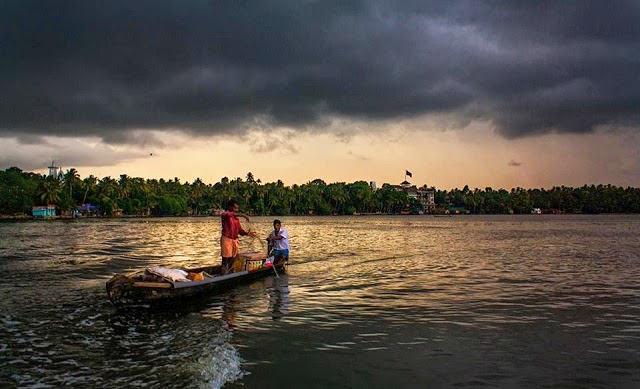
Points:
[20,191]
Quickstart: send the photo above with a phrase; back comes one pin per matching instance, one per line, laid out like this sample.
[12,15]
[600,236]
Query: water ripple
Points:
[376,301]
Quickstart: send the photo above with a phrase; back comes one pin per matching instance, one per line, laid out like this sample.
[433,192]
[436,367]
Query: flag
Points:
[408,173]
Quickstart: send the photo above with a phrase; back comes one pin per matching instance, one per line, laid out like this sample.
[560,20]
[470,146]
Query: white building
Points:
[425,195]
[55,171]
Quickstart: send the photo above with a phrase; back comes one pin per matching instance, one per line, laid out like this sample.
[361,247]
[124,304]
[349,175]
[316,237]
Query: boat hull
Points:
[128,290]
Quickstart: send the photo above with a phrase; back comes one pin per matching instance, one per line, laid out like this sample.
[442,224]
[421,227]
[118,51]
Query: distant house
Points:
[425,195]
[44,212]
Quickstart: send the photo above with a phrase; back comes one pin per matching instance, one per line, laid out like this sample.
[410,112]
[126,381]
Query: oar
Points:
[273,265]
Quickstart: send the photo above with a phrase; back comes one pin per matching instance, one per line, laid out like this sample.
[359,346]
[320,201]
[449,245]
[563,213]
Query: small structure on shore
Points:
[44,212]
[88,210]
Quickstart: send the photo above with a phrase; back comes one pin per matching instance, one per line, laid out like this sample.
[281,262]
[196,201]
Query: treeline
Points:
[585,199]
[20,191]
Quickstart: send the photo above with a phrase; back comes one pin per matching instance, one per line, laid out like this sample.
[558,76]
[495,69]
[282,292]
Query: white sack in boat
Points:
[172,274]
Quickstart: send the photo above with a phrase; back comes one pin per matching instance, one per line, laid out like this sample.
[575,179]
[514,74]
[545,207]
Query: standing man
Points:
[231,228]
[279,239]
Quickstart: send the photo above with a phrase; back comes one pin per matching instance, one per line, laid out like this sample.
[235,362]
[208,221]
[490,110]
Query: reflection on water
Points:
[506,301]
[278,290]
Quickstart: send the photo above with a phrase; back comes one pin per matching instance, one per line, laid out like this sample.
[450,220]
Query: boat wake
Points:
[220,362]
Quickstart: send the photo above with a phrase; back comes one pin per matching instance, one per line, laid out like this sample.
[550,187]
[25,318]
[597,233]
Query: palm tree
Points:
[360,195]
[71,179]
[196,194]
[107,188]
[313,193]
[226,192]
[90,184]
[49,191]
[140,195]
[259,194]
[124,186]
[336,195]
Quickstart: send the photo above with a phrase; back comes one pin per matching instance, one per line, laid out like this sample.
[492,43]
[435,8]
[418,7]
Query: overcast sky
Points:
[502,94]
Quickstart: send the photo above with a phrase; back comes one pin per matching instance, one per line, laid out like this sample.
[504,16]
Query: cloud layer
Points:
[110,69]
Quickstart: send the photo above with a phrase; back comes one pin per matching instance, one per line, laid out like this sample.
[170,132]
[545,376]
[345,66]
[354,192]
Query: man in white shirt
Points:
[279,239]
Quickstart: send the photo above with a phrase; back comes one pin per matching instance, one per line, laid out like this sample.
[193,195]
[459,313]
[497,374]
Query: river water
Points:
[368,302]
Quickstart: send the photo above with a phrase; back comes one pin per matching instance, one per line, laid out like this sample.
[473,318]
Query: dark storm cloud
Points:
[82,68]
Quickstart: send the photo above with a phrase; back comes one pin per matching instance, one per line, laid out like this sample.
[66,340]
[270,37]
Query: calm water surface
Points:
[375,302]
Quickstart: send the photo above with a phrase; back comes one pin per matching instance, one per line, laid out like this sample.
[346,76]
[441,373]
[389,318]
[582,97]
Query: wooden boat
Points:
[147,287]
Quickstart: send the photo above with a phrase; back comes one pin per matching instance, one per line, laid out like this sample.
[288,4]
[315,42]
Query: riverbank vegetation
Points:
[20,191]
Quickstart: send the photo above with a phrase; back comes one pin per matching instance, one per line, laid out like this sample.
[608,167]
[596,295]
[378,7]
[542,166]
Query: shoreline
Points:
[16,218]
